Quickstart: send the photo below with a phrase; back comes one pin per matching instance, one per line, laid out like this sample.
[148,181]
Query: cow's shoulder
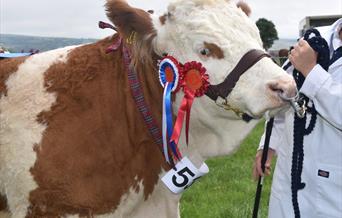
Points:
[95,148]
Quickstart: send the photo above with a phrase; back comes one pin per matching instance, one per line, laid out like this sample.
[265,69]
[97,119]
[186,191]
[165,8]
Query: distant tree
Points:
[268,32]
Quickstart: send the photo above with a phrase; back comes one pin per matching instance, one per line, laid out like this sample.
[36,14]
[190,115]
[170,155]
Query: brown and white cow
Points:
[72,142]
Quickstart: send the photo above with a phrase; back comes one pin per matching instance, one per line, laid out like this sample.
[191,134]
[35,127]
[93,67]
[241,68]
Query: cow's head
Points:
[214,32]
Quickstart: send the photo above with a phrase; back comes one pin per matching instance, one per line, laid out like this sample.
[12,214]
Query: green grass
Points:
[228,190]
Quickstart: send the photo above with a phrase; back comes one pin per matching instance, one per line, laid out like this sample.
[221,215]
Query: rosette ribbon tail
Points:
[167,120]
[168,77]
[178,129]
[184,111]
[190,96]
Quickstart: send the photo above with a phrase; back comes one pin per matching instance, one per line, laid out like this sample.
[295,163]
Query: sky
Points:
[79,18]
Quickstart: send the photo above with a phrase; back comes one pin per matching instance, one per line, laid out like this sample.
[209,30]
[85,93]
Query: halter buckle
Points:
[299,108]
[223,103]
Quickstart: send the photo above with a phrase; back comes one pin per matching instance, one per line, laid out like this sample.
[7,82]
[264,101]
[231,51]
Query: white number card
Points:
[179,179]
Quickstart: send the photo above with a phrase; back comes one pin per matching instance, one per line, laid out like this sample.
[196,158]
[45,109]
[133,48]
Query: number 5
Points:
[182,174]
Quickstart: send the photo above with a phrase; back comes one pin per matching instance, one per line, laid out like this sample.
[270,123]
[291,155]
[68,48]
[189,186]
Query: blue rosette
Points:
[169,69]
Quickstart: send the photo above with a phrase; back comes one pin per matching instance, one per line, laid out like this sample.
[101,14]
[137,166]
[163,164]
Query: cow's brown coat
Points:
[96,146]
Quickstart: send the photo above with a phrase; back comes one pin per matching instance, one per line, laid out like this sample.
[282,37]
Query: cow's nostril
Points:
[274,87]
[284,86]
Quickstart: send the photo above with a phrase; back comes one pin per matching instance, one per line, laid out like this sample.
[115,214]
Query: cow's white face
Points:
[217,34]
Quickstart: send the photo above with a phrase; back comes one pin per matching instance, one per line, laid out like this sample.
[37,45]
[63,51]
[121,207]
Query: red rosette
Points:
[195,82]
[193,78]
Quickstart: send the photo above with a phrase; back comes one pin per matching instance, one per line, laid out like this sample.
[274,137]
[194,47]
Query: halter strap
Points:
[247,61]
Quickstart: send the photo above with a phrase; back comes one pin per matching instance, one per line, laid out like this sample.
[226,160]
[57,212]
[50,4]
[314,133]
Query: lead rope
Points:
[321,47]
[269,127]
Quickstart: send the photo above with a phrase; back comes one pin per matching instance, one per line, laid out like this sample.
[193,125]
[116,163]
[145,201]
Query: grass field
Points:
[228,190]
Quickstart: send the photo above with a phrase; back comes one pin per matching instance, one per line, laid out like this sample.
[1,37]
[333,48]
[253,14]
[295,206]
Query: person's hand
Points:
[257,171]
[303,57]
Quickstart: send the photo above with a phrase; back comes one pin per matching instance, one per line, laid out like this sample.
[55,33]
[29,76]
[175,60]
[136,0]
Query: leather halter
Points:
[247,61]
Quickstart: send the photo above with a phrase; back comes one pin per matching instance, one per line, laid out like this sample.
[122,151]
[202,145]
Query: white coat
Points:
[322,195]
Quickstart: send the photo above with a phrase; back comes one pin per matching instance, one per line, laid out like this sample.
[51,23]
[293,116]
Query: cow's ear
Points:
[244,7]
[127,19]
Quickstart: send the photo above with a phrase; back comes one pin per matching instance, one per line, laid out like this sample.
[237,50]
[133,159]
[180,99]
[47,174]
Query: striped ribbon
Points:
[139,99]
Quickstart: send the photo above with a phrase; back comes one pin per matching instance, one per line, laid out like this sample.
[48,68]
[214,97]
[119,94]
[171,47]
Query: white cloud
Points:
[78,18]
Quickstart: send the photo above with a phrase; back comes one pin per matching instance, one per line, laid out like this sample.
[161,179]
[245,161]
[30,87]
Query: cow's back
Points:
[71,133]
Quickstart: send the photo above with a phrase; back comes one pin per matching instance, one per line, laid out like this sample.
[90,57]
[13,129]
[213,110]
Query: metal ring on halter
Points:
[222,103]
[299,109]
[225,105]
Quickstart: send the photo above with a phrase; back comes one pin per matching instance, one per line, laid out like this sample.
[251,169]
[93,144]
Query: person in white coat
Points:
[322,167]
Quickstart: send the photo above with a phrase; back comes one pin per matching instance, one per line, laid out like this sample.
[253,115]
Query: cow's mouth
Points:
[245,116]
[282,101]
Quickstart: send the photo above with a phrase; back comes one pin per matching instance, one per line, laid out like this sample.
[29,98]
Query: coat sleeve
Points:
[326,93]
[277,135]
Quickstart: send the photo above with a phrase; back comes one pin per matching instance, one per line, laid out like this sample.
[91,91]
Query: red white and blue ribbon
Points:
[169,77]
[194,81]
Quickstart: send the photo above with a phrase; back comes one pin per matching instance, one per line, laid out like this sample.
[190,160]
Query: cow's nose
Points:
[285,86]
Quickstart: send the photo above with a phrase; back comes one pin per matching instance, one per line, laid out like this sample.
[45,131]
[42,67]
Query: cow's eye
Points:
[205,51]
